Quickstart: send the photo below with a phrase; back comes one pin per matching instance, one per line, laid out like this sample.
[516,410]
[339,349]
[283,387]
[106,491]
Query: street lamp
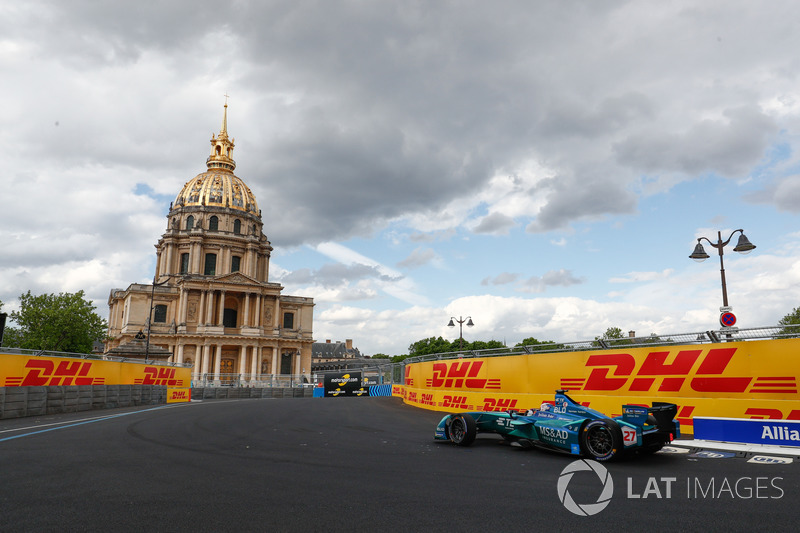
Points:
[150,317]
[460,321]
[743,246]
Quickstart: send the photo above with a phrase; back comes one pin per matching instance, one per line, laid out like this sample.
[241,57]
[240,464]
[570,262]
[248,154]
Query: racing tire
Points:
[601,440]
[462,430]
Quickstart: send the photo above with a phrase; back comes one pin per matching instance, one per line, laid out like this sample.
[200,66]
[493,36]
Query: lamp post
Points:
[150,316]
[460,321]
[743,246]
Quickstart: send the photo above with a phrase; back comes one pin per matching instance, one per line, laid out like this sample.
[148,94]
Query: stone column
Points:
[242,366]
[217,364]
[201,311]
[221,306]
[246,317]
[210,310]
[205,358]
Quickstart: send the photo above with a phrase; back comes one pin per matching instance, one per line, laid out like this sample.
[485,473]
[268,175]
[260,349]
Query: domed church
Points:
[211,303]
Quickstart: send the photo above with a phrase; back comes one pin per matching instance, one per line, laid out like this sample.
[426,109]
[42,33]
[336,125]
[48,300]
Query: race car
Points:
[567,426]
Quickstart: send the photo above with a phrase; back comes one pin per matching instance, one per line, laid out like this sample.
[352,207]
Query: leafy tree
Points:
[63,322]
[531,341]
[380,356]
[483,345]
[10,336]
[612,337]
[546,345]
[429,346]
[788,322]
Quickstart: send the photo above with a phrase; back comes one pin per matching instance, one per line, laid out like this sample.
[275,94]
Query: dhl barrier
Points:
[740,379]
[18,370]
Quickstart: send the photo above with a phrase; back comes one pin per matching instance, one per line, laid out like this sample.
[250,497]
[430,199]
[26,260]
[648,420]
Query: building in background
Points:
[212,303]
[338,355]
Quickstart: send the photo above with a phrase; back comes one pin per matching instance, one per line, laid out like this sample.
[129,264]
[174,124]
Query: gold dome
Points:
[218,186]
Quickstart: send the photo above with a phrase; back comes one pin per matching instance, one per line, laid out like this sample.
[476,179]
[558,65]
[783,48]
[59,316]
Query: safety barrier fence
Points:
[89,357]
[751,373]
[253,380]
[17,402]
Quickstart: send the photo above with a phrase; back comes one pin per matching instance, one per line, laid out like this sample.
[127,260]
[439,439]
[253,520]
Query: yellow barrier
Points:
[179,395]
[753,379]
[36,371]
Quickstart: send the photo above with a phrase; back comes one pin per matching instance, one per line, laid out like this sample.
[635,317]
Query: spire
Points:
[224,131]
[222,147]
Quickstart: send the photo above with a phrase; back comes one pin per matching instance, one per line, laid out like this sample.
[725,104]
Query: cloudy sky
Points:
[544,167]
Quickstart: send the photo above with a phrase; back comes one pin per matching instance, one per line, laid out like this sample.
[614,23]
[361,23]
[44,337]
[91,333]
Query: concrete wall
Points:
[230,393]
[17,402]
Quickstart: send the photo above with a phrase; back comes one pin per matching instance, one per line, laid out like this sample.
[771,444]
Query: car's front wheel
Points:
[601,440]
[462,429]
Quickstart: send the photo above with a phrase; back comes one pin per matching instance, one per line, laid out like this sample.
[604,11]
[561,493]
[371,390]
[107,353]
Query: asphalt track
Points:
[349,464]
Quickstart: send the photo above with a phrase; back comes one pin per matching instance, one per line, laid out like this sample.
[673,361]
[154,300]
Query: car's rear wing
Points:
[663,412]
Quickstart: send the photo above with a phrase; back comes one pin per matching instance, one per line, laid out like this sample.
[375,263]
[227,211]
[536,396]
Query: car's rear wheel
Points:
[601,440]
[462,429]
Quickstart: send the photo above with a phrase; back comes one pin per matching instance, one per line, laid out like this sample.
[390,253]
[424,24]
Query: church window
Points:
[236,262]
[210,265]
[160,313]
[237,226]
[189,222]
[288,320]
[213,223]
[184,263]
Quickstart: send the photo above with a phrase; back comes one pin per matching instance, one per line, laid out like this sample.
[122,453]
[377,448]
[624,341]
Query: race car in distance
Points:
[567,426]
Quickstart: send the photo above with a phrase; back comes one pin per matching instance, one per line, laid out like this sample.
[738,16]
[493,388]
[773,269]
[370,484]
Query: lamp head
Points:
[451,325]
[744,246]
[699,253]
[470,324]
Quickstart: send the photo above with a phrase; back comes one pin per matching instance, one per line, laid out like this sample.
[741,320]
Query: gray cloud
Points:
[333,275]
[552,278]
[419,257]
[495,223]
[503,278]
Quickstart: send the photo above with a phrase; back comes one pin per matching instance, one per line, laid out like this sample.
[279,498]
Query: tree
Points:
[484,345]
[531,341]
[380,356]
[63,322]
[788,322]
[612,337]
[429,346]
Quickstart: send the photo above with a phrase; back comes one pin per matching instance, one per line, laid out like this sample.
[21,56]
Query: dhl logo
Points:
[158,376]
[426,399]
[409,381]
[455,402]
[43,372]
[612,372]
[460,374]
[498,404]
[179,395]
[775,414]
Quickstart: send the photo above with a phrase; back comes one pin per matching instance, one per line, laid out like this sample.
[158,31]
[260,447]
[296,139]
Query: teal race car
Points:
[567,426]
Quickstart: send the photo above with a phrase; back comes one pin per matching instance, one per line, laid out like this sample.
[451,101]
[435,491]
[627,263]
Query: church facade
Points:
[211,302]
